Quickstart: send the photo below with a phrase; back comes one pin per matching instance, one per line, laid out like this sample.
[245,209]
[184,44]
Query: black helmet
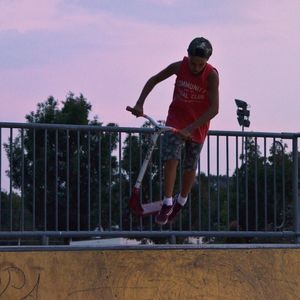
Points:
[200,47]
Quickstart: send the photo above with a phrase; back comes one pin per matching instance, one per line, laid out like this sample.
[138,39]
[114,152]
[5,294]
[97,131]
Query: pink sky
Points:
[107,52]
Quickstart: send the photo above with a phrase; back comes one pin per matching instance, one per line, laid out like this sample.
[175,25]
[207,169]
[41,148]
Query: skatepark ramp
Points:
[151,272]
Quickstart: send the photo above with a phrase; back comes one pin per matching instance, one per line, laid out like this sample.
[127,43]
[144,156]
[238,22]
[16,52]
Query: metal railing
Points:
[75,181]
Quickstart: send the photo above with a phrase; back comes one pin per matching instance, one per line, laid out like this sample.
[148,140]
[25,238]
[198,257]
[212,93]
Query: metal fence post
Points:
[296,199]
[45,240]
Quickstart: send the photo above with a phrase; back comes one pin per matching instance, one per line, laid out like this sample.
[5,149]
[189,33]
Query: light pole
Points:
[243,115]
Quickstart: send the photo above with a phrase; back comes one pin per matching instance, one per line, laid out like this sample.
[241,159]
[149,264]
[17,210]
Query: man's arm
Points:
[213,110]
[172,69]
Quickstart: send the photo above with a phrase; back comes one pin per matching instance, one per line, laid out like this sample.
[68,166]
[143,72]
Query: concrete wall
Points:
[151,274]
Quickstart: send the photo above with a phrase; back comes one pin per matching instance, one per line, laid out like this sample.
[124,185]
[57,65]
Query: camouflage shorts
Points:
[172,146]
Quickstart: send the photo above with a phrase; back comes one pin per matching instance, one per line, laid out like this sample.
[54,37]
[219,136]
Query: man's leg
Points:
[187,182]
[172,145]
[190,164]
[170,176]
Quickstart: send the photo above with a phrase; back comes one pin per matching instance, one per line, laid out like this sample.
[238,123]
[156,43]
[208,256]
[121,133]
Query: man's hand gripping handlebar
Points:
[152,121]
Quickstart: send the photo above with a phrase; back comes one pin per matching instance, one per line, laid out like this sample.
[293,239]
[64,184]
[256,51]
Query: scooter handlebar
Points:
[153,122]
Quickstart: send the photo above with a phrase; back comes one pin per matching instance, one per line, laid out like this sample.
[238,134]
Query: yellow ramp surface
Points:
[151,274]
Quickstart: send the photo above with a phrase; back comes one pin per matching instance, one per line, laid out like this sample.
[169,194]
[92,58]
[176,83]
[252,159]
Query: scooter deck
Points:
[151,208]
[143,209]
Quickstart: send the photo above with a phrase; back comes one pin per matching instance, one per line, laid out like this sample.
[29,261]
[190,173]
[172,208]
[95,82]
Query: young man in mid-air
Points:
[195,103]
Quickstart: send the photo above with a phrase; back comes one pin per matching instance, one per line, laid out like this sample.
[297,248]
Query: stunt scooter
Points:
[136,206]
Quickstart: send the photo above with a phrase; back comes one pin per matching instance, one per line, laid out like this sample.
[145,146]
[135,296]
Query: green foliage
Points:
[50,188]
[264,188]
[13,214]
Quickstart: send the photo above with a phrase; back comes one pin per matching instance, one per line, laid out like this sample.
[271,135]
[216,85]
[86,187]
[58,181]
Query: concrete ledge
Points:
[162,272]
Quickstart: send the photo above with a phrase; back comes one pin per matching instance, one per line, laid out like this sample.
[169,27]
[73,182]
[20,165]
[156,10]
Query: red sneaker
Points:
[175,212]
[162,217]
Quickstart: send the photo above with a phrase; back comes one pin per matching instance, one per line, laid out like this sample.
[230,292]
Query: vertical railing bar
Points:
[218,182]
[99,180]
[89,180]
[274,184]
[160,168]
[190,211]
[130,176]
[68,180]
[237,183]
[160,173]
[0,178]
[120,183]
[78,180]
[265,185]
[56,179]
[296,197]
[10,176]
[189,201]
[227,181]
[22,184]
[170,225]
[110,180]
[283,188]
[45,178]
[180,184]
[150,186]
[199,195]
[246,182]
[33,181]
[140,164]
[256,186]
[208,183]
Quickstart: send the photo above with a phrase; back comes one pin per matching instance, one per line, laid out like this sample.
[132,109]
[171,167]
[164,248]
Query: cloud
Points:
[167,12]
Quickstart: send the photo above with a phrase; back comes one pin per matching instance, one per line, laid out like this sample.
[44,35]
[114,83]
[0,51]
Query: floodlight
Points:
[243,113]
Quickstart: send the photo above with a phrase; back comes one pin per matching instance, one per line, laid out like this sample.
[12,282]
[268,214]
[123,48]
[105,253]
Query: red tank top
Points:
[190,100]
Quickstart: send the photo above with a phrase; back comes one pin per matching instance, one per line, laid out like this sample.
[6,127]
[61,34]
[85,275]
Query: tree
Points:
[12,212]
[263,183]
[62,197]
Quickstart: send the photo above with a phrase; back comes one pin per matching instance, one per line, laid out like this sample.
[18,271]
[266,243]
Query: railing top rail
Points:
[286,135]
[73,127]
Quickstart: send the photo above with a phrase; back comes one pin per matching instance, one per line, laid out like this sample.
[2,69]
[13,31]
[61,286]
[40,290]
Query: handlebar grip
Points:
[134,112]
[129,109]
